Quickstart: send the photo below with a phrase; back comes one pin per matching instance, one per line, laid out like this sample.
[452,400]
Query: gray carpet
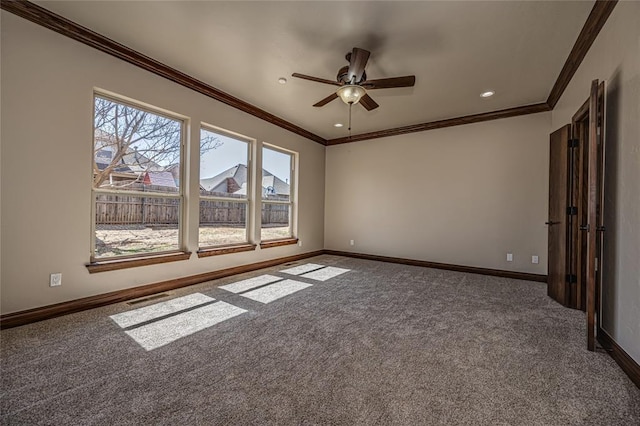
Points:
[381,344]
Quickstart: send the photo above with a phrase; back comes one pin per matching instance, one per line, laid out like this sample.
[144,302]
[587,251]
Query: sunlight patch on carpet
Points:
[244,285]
[275,291]
[157,310]
[325,273]
[298,270]
[165,331]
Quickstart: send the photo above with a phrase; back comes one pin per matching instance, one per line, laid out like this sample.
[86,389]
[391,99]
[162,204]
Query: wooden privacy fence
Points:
[275,214]
[222,212]
[129,210]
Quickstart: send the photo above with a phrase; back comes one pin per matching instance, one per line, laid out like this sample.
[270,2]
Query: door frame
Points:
[588,128]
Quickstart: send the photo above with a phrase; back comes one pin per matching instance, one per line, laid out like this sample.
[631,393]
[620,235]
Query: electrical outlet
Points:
[534,259]
[509,257]
[299,243]
[55,280]
[352,243]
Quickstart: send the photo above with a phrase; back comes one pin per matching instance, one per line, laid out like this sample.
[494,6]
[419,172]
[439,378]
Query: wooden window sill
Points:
[113,265]
[217,251]
[277,243]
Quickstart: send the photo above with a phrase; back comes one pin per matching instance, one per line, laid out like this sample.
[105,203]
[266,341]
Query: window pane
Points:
[276,175]
[223,173]
[223,165]
[222,222]
[129,225]
[135,149]
[275,221]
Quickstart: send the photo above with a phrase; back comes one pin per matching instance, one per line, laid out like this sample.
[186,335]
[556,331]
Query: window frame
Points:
[293,198]
[247,200]
[181,252]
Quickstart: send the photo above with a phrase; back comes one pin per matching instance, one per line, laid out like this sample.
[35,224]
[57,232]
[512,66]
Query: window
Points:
[277,194]
[225,188]
[137,192]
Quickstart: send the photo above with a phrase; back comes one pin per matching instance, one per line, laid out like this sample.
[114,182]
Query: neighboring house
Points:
[159,179]
[131,162]
[174,169]
[133,166]
[272,185]
[234,181]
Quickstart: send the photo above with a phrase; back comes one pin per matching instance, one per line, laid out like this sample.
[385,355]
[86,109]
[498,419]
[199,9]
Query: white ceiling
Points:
[455,49]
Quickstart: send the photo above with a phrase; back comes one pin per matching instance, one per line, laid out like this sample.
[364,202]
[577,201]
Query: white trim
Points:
[224,199]
[149,194]
[293,189]
[184,123]
[250,142]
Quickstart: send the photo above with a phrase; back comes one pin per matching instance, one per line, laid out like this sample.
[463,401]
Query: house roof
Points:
[239,175]
[132,162]
[160,179]
[274,185]
[237,172]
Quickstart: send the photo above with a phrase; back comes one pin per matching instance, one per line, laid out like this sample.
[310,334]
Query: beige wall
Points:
[615,58]
[47,87]
[463,195]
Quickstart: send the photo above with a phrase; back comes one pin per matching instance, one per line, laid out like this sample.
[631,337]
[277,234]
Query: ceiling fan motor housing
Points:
[343,76]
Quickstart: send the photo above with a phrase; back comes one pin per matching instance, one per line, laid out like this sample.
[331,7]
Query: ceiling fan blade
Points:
[326,100]
[316,79]
[357,62]
[367,102]
[388,83]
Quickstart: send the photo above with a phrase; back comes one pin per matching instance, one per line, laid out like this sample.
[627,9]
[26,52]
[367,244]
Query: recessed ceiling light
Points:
[338,125]
[487,94]
[282,80]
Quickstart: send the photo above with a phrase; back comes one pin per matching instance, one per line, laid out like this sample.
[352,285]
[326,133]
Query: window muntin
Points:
[225,188]
[277,194]
[137,202]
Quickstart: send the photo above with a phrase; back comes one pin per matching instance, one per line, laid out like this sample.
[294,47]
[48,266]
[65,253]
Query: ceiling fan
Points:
[353,83]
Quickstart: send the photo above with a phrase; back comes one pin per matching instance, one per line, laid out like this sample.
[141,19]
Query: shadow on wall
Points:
[611,191]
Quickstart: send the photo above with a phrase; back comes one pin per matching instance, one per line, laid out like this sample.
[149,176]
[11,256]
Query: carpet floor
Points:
[378,344]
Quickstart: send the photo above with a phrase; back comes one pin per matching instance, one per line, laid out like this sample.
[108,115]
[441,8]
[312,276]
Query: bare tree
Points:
[138,140]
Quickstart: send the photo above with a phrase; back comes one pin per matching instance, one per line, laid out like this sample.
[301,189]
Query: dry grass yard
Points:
[121,240]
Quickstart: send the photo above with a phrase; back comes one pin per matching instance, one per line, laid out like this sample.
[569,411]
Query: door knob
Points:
[551,223]
[584,227]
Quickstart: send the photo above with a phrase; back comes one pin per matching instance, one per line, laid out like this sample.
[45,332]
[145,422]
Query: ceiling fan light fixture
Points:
[351,93]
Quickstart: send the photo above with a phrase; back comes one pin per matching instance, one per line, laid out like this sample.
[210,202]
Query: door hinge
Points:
[573,143]
[572,211]
[572,278]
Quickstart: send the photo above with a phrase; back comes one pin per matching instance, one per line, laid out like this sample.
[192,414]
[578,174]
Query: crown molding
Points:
[43,17]
[458,121]
[594,23]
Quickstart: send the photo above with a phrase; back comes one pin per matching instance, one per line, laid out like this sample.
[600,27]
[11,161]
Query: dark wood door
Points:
[559,168]
[579,268]
[600,230]
[584,223]
[591,225]
[586,131]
